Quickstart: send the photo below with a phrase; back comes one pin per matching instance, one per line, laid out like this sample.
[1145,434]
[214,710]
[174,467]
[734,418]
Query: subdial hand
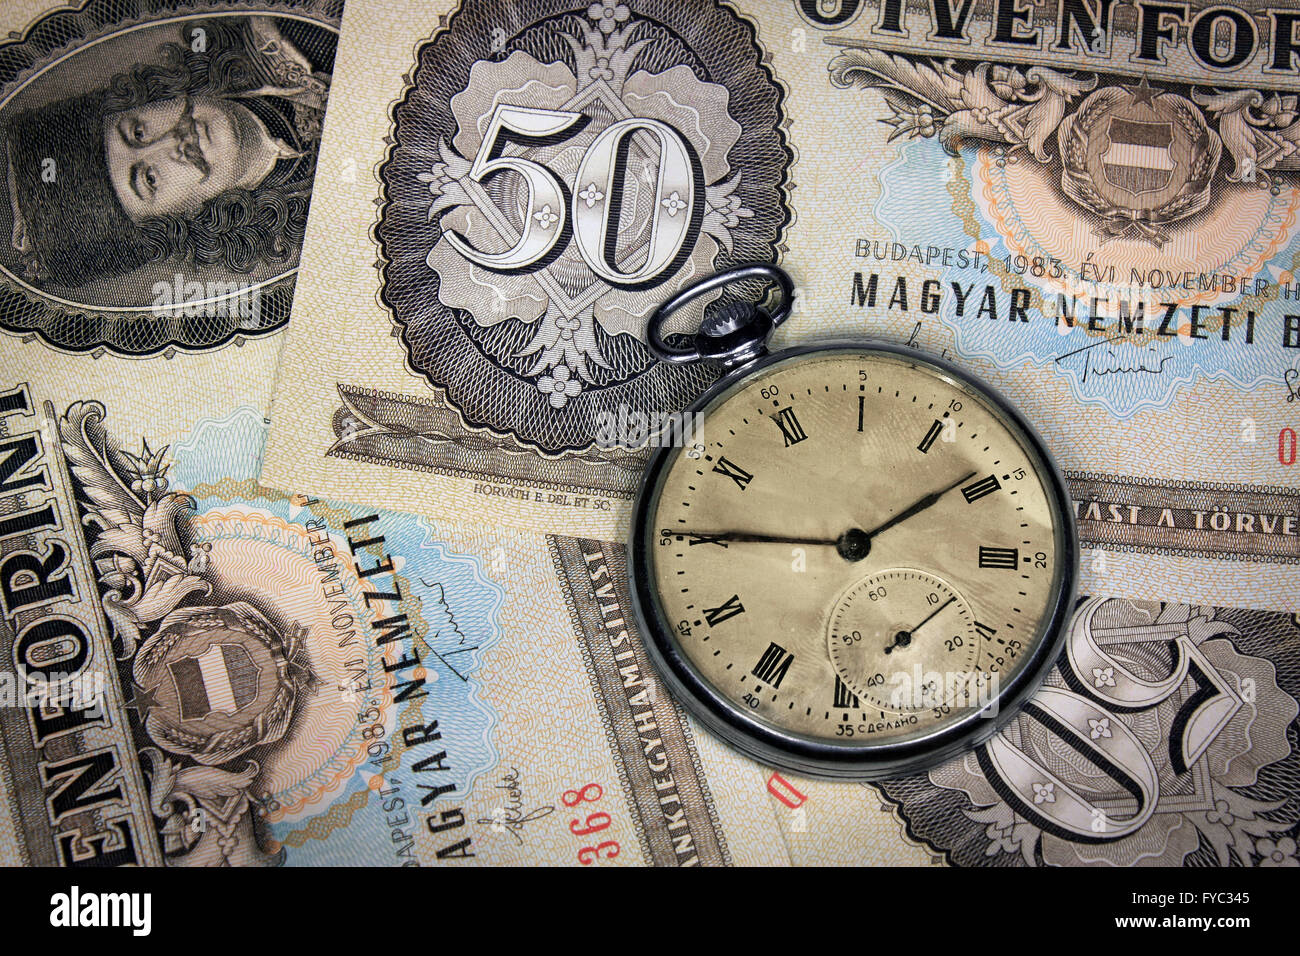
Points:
[903,638]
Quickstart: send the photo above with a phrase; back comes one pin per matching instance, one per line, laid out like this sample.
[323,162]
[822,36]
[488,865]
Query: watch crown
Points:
[729,318]
[734,333]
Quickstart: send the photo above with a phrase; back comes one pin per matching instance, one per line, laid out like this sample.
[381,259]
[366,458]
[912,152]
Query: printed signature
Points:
[1108,363]
[511,817]
[913,343]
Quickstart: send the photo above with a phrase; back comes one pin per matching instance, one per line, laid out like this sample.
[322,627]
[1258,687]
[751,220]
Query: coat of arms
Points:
[1138,157]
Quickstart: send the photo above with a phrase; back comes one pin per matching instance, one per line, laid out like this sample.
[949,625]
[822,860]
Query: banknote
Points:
[206,672]
[198,672]
[1165,736]
[532,180]
[957,177]
[1093,206]
[158,167]
[158,161]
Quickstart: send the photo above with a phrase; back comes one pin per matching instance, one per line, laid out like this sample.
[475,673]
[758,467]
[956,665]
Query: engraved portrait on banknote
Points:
[158,164]
[1165,736]
[557,169]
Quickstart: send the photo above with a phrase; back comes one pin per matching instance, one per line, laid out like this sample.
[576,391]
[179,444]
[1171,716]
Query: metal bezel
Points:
[823,757]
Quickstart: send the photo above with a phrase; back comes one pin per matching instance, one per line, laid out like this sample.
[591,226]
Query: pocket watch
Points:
[861,562]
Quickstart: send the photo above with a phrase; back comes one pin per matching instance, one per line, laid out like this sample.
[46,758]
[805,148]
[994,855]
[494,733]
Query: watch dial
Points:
[860,548]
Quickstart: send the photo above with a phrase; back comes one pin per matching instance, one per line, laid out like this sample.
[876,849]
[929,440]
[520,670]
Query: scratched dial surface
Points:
[860,548]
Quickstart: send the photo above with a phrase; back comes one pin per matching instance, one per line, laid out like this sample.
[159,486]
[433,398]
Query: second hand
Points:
[903,638]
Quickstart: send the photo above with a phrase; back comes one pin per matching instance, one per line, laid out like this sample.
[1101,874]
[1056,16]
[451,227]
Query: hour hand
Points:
[918,506]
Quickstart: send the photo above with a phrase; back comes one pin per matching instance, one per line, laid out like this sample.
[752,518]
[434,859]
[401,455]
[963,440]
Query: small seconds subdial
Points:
[903,640]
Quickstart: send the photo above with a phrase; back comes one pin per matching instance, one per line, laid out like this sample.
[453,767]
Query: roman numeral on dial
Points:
[725,611]
[772,666]
[791,430]
[719,539]
[1008,559]
[931,436]
[978,489]
[739,475]
[985,631]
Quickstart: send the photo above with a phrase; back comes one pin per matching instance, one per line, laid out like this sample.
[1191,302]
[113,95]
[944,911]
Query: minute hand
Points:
[754,538]
[919,506]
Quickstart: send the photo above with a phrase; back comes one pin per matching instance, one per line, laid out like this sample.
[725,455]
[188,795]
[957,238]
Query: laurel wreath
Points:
[220,746]
[1077,183]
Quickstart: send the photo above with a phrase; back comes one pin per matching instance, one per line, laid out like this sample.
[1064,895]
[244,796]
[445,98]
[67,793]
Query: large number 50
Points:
[595,221]
[1087,725]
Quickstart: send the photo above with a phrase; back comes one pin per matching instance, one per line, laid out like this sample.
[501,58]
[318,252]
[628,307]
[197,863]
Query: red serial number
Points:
[595,822]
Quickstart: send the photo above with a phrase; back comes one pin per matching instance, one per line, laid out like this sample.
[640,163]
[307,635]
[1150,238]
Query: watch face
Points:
[865,554]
